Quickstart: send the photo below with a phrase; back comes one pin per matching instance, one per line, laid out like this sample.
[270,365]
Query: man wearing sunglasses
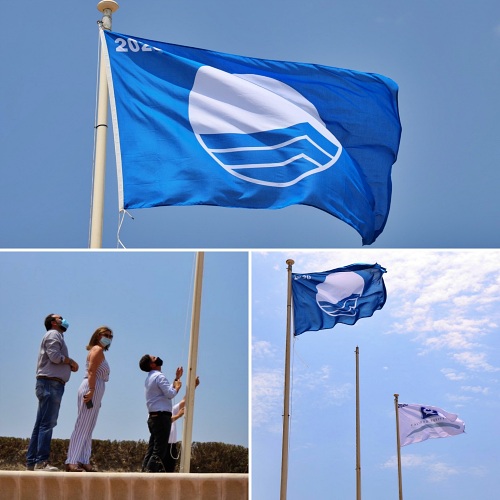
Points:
[159,395]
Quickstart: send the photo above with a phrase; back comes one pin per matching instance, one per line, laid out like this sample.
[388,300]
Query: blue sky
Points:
[435,342]
[146,299]
[444,56]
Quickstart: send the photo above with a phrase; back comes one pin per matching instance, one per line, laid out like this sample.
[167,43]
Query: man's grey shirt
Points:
[53,351]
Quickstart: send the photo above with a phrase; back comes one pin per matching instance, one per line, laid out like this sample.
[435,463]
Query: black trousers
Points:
[159,424]
[172,456]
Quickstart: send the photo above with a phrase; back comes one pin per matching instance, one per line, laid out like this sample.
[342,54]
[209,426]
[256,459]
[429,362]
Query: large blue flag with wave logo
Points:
[342,295]
[197,127]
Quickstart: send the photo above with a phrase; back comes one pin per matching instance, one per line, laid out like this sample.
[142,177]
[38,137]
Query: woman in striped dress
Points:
[90,395]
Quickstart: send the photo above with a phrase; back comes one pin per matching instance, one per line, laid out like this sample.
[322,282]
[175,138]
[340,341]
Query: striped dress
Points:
[80,443]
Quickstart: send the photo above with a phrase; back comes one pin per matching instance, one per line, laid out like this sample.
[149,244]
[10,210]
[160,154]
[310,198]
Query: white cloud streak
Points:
[435,470]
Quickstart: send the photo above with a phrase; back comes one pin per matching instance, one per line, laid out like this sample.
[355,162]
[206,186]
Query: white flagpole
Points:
[358,443]
[107,7]
[286,405]
[187,429]
[398,441]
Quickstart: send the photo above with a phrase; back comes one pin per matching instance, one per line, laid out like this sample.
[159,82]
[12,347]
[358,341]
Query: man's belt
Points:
[55,379]
[156,413]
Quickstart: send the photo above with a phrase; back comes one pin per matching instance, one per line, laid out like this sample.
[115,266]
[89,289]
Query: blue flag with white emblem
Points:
[343,295]
[197,127]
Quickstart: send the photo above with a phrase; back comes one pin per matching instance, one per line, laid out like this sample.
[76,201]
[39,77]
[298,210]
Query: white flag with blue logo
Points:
[343,295]
[197,127]
[418,423]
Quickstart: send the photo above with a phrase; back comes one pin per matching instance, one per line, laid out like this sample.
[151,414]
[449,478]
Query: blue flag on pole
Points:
[197,127]
[343,295]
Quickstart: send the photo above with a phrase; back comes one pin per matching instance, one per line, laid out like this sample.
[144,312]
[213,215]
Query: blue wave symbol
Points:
[346,307]
[272,156]
[258,128]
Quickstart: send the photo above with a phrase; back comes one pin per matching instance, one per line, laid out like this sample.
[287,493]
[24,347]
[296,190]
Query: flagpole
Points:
[107,7]
[187,429]
[286,404]
[358,445]
[398,441]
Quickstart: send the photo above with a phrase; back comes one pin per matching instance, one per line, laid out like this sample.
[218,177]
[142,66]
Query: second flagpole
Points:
[358,440]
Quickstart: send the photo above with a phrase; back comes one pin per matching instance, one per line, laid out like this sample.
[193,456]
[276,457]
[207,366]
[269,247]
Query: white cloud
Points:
[447,300]
[450,340]
[262,349]
[440,471]
[458,400]
[476,388]
[451,374]
[268,392]
[436,470]
[474,361]
[337,395]
[267,398]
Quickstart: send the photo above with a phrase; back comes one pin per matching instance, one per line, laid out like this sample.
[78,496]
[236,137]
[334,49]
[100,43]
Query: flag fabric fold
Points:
[198,127]
[418,423]
[342,295]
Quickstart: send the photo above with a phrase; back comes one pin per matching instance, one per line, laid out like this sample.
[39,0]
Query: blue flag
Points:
[343,295]
[197,127]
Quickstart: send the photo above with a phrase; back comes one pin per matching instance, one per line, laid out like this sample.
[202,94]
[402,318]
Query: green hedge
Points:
[126,456]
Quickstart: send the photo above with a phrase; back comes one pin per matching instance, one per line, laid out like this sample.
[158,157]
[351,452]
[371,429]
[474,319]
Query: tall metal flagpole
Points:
[358,444]
[286,405]
[187,429]
[107,7]
[398,441]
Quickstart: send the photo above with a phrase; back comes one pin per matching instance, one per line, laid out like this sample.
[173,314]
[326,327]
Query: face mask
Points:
[64,324]
[105,342]
[158,362]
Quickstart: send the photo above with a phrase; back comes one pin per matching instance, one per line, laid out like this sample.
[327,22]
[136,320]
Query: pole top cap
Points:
[107,4]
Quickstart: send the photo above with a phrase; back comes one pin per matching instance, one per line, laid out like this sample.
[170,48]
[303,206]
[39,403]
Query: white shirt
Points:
[173,430]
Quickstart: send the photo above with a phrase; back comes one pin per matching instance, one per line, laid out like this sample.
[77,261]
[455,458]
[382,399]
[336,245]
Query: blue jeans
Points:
[49,394]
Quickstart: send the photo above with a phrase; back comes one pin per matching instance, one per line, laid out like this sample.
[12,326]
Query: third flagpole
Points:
[358,441]
[398,441]
[286,404]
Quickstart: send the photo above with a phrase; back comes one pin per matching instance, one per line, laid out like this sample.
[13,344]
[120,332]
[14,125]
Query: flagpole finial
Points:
[107,4]
[107,7]
[290,262]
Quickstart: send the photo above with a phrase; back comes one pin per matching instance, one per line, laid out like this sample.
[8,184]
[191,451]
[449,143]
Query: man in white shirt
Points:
[159,395]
